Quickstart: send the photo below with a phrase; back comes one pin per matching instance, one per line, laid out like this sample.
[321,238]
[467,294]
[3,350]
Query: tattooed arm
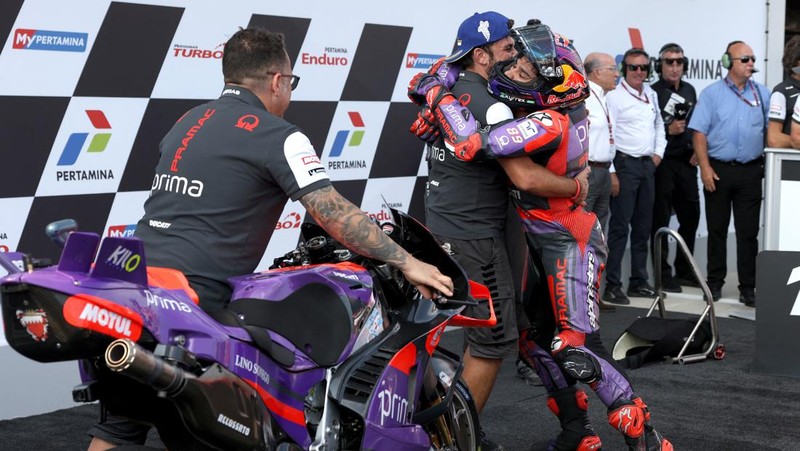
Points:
[350,226]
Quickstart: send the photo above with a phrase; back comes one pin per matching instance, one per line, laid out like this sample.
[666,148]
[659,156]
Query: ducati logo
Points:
[35,322]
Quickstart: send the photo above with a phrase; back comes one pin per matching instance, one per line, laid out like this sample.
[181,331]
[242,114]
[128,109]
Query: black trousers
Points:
[676,190]
[631,213]
[739,187]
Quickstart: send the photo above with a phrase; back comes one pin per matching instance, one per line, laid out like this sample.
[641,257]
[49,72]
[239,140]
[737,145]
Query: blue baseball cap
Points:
[478,30]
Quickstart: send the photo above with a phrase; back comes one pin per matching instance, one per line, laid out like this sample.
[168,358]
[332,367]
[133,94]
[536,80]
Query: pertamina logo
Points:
[421,60]
[193,51]
[326,59]
[58,41]
[76,143]
[3,247]
[355,138]
[121,231]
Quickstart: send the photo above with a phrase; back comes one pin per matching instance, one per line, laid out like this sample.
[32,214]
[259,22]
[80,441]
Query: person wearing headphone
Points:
[729,123]
[784,97]
[640,142]
[676,176]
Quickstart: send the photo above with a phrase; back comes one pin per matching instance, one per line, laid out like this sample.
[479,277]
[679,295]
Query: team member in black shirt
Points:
[676,176]
[226,170]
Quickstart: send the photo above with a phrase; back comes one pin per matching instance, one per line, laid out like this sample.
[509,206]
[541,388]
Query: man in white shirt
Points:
[603,183]
[640,141]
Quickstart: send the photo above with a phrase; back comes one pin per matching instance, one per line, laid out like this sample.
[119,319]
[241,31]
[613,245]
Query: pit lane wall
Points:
[87,90]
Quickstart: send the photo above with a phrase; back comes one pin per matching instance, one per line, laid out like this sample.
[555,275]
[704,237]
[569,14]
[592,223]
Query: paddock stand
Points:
[714,349]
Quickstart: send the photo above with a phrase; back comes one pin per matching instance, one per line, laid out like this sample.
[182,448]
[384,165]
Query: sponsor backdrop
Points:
[87,90]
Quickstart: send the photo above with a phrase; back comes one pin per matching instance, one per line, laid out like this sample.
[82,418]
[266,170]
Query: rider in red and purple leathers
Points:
[565,240]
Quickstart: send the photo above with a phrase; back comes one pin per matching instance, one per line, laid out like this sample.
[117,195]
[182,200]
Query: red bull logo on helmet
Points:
[572,80]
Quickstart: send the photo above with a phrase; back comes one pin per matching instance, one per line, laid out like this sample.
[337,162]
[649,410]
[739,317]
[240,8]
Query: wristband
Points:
[577,191]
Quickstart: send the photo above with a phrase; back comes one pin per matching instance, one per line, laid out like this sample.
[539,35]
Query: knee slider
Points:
[578,364]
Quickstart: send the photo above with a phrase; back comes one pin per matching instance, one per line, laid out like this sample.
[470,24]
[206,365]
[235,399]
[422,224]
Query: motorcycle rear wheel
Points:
[459,429]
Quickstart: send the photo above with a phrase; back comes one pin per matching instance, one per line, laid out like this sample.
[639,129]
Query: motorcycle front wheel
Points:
[459,428]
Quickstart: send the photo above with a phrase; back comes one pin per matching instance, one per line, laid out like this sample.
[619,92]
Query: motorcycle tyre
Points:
[462,417]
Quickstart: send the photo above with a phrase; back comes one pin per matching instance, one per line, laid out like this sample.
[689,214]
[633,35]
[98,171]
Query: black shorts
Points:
[486,262]
[120,430]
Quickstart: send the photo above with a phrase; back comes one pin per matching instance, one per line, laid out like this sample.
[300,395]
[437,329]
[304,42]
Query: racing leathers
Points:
[570,252]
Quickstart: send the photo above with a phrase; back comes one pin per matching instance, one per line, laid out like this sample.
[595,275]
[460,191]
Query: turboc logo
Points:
[192,51]
[341,135]
[421,60]
[59,41]
[76,141]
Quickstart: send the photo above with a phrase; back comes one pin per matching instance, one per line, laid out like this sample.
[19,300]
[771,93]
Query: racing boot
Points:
[632,419]
[570,405]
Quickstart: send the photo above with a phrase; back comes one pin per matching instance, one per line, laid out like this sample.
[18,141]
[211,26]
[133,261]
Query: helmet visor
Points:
[536,42]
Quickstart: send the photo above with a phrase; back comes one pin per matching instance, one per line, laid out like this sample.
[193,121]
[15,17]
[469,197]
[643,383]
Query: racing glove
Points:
[424,127]
[439,74]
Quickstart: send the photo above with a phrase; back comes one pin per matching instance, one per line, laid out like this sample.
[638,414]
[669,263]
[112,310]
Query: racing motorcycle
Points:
[327,350]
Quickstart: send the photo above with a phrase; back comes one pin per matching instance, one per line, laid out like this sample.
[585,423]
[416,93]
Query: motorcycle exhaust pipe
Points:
[126,357]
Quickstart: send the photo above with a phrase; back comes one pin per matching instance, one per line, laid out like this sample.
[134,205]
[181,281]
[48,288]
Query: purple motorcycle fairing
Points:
[282,390]
[391,406]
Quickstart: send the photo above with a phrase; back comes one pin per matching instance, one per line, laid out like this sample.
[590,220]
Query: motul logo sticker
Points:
[105,317]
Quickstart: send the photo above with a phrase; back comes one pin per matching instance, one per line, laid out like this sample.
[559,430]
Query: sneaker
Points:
[615,295]
[716,293]
[687,281]
[748,298]
[670,285]
[605,306]
[527,374]
[488,445]
[643,291]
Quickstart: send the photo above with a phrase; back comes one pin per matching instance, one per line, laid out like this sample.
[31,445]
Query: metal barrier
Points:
[714,349]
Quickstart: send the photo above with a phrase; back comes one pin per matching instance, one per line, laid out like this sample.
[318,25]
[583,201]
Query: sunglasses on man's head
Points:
[635,67]
[673,61]
[746,59]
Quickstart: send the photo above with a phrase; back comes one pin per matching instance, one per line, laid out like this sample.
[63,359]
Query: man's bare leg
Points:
[480,374]
[98,444]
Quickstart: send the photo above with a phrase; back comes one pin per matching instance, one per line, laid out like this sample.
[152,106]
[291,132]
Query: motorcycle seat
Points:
[314,318]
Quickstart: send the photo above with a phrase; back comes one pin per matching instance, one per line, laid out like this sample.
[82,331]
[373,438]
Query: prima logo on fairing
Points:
[154,300]
[124,259]
[393,406]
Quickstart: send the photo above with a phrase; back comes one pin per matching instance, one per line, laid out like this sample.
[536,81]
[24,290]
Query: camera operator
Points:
[676,177]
